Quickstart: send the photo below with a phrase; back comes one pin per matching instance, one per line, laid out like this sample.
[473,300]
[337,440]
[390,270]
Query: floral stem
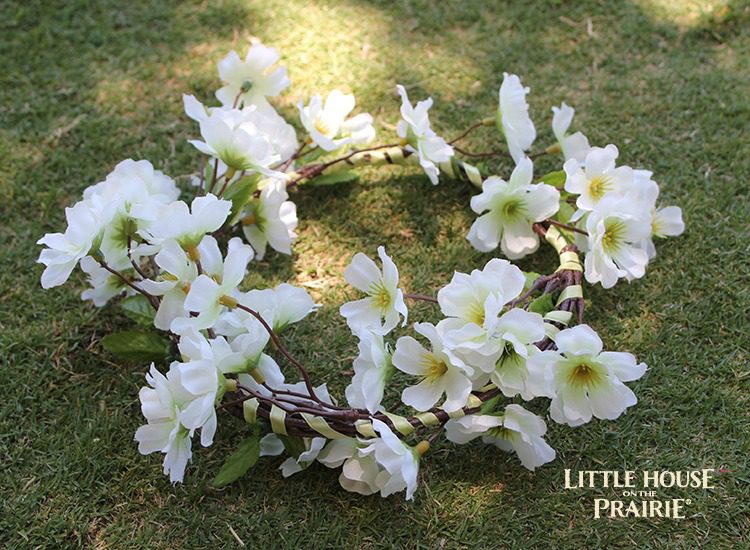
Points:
[469,130]
[280,346]
[566,226]
[153,300]
[421,298]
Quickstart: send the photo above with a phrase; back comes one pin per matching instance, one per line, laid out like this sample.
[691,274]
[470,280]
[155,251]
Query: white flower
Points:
[234,137]
[596,176]
[254,74]
[206,294]
[188,225]
[293,465]
[359,473]
[135,181]
[516,430]
[201,379]
[616,228]
[414,127]
[104,285]
[513,116]
[178,273]
[65,250]
[372,367]
[326,123]
[440,374]
[666,221]
[587,381]
[512,208]
[279,307]
[473,304]
[385,301]
[517,331]
[160,404]
[399,461]
[262,119]
[574,146]
[466,296]
[270,220]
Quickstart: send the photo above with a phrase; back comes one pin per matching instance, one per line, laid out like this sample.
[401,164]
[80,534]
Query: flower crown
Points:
[506,336]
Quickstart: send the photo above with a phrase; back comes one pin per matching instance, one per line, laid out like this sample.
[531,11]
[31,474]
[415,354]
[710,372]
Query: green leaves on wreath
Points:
[240,193]
[136,345]
[139,310]
[340,176]
[239,462]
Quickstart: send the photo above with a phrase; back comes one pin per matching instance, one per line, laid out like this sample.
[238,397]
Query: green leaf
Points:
[208,173]
[530,277]
[556,179]
[313,155]
[294,445]
[565,213]
[137,346]
[341,176]
[240,193]
[239,462]
[542,305]
[139,310]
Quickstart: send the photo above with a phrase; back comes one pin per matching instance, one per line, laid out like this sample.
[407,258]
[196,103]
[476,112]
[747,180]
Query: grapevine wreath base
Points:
[506,336]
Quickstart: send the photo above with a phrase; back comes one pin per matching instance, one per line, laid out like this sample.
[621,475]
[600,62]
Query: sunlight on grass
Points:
[687,14]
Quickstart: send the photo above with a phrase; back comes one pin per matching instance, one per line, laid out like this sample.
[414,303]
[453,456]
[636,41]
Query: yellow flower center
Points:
[614,233]
[380,295]
[475,314]
[435,368]
[322,127]
[599,185]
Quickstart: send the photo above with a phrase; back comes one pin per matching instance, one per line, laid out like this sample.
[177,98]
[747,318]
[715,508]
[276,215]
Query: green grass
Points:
[84,85]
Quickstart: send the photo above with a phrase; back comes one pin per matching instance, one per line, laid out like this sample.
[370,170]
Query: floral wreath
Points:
[506,336]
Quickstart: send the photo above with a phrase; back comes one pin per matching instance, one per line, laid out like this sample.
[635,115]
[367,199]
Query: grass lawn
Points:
[86,84]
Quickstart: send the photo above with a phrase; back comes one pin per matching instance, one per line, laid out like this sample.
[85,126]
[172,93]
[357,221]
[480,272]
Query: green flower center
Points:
[501,432]
[585,375]
[599,185]
[513,208]
[614,235]
[380,295]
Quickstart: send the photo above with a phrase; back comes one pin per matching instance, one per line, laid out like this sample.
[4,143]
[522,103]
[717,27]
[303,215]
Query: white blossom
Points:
[616,228]
[574,146]
[414,128]
[384,304]
[399,462]
[359,473]
[188,225]
[511,209]
[588,381]
[104,285]
[513,116]
[372,368]
[256,75]
[329,125]
[160,405]
[279,307]
[666,221]
[270,220]
[596,177]
[516,430]
[261,119]
[235,137]
[440,375]
[206,294]
[65,250]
